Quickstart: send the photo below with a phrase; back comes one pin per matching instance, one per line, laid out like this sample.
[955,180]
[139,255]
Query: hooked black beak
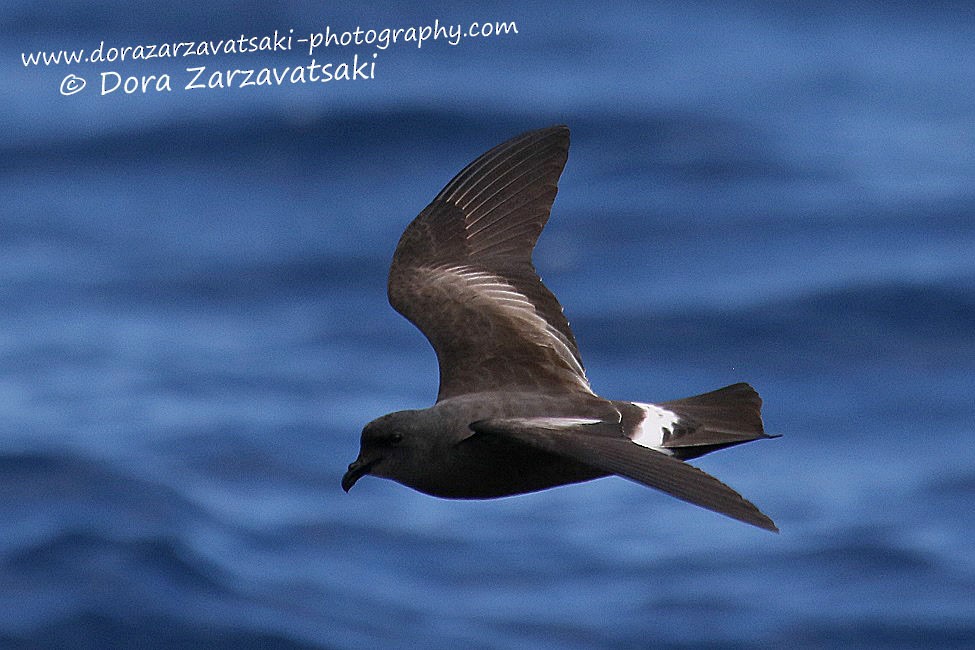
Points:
[357,470]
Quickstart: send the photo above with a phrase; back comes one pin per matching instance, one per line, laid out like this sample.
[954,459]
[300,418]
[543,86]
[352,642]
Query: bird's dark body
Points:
[487,467]
[492,467]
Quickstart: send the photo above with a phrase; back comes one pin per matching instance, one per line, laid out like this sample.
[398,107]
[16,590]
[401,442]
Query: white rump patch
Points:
[650,432]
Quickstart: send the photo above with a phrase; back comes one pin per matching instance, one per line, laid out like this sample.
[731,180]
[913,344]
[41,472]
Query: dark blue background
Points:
[193,328]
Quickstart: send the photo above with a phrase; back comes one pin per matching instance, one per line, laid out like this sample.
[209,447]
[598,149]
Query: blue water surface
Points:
[193,327]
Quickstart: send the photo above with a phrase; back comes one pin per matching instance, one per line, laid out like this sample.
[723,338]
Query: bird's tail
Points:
[711,421]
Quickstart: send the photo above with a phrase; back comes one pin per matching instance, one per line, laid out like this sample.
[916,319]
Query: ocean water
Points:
[193,327]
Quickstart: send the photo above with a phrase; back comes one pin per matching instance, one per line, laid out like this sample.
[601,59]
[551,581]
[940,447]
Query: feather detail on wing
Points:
[462,273]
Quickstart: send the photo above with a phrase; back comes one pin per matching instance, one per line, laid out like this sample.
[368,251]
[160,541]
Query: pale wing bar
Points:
[497,300]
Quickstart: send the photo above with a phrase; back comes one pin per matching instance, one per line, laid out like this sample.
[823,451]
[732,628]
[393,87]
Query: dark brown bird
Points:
[515,412]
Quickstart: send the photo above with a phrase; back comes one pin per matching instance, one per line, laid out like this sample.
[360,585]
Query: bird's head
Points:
[390,447]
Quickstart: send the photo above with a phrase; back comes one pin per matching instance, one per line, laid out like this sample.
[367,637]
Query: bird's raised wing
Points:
[462,273]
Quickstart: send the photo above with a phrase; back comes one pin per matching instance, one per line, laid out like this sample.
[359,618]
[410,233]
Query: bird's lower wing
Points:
[593,443]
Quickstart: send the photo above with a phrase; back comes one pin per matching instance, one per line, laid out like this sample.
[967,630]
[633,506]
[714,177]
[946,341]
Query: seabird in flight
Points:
[515,412]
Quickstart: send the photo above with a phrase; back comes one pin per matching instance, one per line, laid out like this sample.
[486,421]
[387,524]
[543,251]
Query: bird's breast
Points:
[482,467]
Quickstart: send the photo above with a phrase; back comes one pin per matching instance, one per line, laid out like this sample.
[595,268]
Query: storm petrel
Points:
[515,412]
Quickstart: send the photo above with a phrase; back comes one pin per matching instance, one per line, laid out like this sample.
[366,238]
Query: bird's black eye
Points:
[395,438]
